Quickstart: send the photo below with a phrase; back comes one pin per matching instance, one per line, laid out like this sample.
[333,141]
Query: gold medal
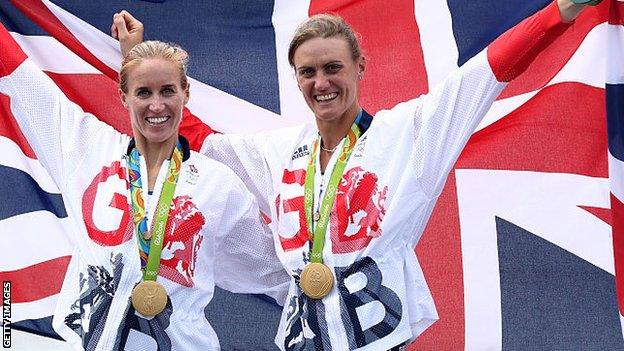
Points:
[149,298]
[316,280]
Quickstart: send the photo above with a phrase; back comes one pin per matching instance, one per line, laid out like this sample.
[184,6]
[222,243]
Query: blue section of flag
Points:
[41,326]
[231,42]
[552,299]
[477,23]
[15,21]
[26,195]
[615,119]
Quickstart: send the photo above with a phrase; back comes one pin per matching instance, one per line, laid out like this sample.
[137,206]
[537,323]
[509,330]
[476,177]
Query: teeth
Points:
[326,97]
[157,120]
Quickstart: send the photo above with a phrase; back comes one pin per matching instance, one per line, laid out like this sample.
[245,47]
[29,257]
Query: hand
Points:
[128,30]
[588,2]
[570,9]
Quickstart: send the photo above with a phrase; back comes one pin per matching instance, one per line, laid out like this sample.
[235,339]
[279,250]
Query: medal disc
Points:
[149,298]
[316,280]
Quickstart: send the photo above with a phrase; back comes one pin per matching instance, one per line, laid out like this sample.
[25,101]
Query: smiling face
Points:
[155,98]
[328,76]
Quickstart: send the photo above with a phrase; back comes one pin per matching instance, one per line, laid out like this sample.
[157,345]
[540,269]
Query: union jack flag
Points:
[518,253]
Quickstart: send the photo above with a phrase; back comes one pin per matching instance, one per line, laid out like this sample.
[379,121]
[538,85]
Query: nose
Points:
[156,104]
[321,82]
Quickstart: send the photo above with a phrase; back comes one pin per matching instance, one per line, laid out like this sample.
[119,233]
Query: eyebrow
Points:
[324,65]
[162,87]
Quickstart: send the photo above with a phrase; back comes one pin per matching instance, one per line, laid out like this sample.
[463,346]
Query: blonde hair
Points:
[153,49]
[324,26]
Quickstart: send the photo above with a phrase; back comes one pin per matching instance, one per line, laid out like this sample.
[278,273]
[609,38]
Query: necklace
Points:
[329,150]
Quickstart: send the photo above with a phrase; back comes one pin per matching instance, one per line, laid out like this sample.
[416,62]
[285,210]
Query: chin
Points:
[157,139]
[327,116]
[159,135]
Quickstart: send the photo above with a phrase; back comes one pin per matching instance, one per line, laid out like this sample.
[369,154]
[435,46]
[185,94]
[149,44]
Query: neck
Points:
[332,132]
[155,154]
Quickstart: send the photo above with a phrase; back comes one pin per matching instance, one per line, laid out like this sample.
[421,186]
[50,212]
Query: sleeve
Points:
[57,129]
[246,259]
[446,118]
[244,154]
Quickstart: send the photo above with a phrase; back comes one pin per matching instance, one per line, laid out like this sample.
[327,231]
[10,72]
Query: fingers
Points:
[133,24]
[587,2]
[119,29]
[125,24]
[569,10]
[128,30]
[114,31]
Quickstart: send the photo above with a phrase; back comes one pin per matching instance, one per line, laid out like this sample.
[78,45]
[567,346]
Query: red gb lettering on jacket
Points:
[356,217]
[294,205]
[113,223]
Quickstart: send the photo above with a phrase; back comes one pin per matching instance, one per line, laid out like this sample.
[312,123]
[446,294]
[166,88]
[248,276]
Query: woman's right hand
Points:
[128,30]
[570,10]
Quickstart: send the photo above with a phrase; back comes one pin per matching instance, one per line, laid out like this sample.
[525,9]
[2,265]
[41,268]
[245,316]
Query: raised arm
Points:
[447,116]
[58,130]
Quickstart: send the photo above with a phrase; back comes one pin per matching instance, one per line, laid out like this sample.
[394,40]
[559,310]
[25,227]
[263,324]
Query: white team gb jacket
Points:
[389,187]
[214,235]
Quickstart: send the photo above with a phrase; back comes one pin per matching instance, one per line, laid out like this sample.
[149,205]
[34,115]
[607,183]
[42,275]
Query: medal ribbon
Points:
[150,250]
[318,232]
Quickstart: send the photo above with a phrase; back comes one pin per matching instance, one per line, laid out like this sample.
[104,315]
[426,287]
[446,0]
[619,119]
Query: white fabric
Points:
[217,237]
[389,188]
